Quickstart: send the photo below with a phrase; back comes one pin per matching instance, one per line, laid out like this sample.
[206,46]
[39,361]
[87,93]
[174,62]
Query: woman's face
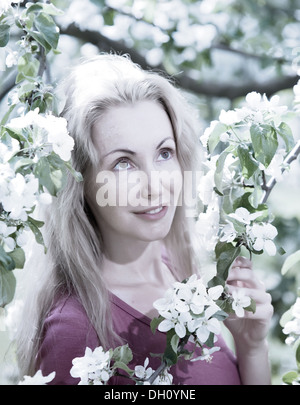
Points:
[138,183]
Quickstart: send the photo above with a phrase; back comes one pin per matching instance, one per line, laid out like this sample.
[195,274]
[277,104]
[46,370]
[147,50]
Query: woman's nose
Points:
[151,187]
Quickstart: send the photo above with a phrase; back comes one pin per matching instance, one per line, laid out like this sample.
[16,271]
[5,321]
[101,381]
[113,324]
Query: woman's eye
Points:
[122,165]
[165,154]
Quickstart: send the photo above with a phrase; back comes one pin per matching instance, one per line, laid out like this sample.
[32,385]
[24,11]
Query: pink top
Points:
[68,331]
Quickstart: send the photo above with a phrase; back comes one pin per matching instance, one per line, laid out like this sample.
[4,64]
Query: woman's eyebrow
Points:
[164,140]
[121,151]
[134,153]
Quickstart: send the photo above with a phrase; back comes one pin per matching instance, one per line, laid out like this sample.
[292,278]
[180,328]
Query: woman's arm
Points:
[250,331]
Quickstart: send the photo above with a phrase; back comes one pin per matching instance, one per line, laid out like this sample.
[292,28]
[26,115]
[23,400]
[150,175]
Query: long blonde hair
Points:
[73,240]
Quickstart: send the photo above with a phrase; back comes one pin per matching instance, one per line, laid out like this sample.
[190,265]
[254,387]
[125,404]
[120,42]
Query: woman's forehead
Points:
[129,126]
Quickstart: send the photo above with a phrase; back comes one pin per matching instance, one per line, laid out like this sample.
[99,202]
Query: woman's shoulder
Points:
[67,308]
[66,334]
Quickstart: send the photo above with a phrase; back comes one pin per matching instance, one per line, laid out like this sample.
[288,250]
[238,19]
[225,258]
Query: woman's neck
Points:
[139,279]
[135,260]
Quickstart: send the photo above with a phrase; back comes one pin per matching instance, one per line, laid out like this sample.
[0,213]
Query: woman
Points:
[120,238]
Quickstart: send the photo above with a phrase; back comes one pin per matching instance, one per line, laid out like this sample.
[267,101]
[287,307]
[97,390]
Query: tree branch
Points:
[210,89]
[293,155]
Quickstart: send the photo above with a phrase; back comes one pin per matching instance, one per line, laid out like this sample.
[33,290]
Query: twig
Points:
[157,372]
[293,155]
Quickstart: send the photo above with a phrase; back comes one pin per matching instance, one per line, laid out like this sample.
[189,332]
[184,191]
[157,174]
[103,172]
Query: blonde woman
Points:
[120,238]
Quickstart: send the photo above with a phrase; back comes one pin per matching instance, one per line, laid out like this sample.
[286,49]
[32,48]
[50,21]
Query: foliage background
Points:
[217,51]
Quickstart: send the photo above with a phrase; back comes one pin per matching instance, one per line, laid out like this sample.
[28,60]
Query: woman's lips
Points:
[153,213]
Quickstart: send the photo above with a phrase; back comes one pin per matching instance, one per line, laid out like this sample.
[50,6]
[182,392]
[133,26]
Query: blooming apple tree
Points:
[35,147]
[248,150]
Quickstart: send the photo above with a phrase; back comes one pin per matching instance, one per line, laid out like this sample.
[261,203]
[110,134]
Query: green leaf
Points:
[286,317]
[248,163]
[18,256]
[290,262]
[122,354]
[4,35]
[210,340]
[155,322]
[6,261]
[298,356]
[28,67]
[264,141]
[7,286]
[77,175]
[226,253]
[174,342]
[170,357]
[221,315]
[214,137]
[34,7]
[251,307]
[218,177]
[17,133]
[7,114]
[50,9]
[123,366]
[34,225]
[48,29]
[287,135]
[50,171]
[289,377]
[40,39]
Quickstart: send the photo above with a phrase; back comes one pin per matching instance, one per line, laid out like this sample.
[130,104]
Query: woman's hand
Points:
[250,331]
[252,328]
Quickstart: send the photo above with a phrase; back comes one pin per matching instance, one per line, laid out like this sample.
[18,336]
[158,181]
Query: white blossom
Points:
[296,90]
[207,354]
[276,166]
[58,136]
[21,196]
[93,368]
[208,131]
[292,327]
[11,59]
[228,233]
[253,99]
[143,372]
[7,152]
[164,378]
[49,131]
[240,301]
[5,232]
[189,307]
[243,215]
[229,117]
[37,379]
[263,235]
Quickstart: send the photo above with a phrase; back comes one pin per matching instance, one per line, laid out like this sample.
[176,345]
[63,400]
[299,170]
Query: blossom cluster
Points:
[26,140]
[37,379]
[97,366]
[189,308]
[47,133]
[93,368]
[143,373]
[256,235]
[292,327]
[257,109]
[6,4]
[255,141]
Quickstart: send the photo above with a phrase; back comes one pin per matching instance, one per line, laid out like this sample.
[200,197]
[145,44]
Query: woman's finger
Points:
[242,261]
[244,277]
